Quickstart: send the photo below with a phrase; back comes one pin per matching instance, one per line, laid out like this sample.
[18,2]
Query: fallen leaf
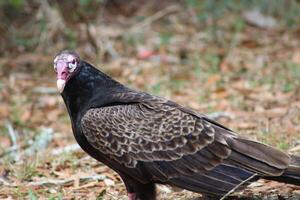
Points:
[213,79]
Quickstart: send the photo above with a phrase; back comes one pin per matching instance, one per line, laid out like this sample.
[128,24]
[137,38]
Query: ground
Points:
[216,60]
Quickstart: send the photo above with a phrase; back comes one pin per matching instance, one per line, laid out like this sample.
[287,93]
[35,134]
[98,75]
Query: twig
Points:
[13,138]
[8,151]
[154,17]
[237,186]
[112,195]
[6,183]
[12,134]
[51,182]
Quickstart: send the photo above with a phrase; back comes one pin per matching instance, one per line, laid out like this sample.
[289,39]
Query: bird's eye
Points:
[72,65]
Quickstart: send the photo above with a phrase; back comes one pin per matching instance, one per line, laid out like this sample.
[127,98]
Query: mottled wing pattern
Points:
[145,132]
[171,141]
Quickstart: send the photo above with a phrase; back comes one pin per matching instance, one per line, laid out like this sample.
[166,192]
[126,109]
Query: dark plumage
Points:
[148,139]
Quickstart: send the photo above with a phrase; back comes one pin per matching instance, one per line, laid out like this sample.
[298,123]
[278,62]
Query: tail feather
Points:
[262,152]
[218,181]
[268,162]
[232,176]
[253,165]
[292,174]
[257,157]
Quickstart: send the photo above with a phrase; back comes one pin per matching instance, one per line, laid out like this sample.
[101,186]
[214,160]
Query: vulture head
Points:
[66,65]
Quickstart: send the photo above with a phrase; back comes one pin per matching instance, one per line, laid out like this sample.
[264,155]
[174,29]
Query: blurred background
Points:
[238,61]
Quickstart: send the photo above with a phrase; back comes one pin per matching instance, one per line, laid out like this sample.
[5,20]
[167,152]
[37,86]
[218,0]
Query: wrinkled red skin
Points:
[62,70]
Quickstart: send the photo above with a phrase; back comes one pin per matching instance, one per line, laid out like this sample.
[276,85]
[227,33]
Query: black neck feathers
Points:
[87,88]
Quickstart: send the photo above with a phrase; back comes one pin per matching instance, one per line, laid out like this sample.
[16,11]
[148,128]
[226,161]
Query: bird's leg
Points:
[137,190]
[131,196]
[140,191]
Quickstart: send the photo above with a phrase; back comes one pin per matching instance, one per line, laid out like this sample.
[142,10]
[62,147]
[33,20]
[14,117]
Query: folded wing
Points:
[176,145]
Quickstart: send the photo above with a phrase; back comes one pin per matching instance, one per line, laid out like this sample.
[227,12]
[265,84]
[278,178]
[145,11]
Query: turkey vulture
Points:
[148,139]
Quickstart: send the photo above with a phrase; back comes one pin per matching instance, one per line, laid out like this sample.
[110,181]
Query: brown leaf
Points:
[220,93]
[212,80]
[4,111]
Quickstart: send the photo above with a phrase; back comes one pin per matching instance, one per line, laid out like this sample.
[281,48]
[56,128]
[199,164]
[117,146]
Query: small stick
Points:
[12,134]
[6,183]
[13,138]
[237,186]
[66,181]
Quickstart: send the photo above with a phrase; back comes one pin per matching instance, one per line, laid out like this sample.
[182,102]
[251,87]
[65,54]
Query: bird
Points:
[151,140]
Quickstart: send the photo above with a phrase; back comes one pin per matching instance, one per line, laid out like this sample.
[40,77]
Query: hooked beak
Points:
[62,75]
[61,85]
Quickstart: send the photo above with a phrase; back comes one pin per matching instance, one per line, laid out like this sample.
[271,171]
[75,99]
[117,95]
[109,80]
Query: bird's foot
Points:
[132,196]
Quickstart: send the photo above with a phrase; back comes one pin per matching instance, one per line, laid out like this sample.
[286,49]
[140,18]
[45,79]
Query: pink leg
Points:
[131,196]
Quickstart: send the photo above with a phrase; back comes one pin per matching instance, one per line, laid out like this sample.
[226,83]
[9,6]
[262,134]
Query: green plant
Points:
[26,170]
[31,195]
[58,196]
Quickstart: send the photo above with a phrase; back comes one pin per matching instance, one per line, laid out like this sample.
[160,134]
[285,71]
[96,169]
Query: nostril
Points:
[62,73]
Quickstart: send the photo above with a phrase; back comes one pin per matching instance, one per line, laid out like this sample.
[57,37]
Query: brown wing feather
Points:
[140,132]
[171,140]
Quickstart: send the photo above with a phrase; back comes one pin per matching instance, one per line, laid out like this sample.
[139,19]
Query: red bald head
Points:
[65,64]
